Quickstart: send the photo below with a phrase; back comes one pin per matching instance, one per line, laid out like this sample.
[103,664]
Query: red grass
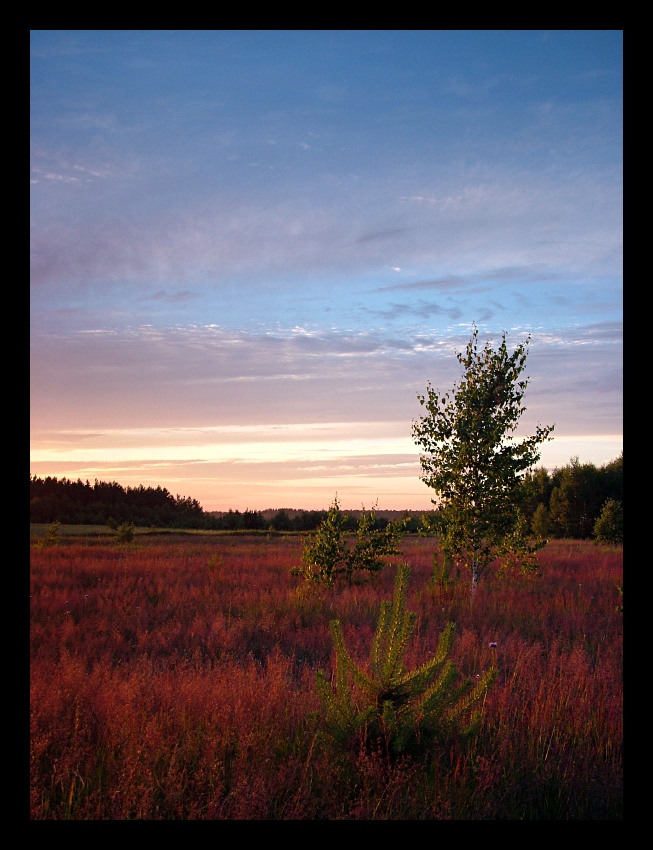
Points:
[175,680]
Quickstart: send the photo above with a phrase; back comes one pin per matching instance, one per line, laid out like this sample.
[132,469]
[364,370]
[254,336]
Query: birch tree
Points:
[472,461]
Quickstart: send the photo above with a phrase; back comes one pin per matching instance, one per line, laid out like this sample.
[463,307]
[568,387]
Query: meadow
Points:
[173,678]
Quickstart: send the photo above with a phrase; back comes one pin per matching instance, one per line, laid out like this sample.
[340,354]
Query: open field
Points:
[174,678]
[39,530]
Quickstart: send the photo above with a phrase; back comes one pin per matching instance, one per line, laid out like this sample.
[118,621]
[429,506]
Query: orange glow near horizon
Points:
[273,471]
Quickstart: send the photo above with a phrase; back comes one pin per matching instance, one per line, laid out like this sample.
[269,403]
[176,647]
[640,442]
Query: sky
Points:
[252,250]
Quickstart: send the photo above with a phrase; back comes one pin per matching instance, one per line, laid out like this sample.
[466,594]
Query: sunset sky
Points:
[252,250]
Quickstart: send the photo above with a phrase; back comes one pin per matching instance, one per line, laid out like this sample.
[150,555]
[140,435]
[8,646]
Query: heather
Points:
[175,678]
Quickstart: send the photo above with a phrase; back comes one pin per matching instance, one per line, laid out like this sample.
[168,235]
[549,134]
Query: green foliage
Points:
[442,577]
[386,705]
[609,527]
[325,554]
[472,461]
[567,502]
[620,607]
[541,524]
[576,500]
[281,521]
[125,532]
[519,552]
[328,556]
[374,544]
[52,534]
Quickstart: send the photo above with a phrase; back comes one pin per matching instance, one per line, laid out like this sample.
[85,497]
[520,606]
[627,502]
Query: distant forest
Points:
[564,503]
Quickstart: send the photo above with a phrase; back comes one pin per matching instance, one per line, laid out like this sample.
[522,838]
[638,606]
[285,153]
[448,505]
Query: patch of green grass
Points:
[38,531]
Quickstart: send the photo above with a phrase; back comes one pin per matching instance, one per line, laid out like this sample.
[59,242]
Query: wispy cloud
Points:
[280,230]
[171,297]
[197,375]
[447,284]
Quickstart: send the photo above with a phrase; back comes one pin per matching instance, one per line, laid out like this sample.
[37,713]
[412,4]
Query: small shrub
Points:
[441,576]
[125,532]
[52,534]
[327,556]
[389,706]
[620,607]
[215,565]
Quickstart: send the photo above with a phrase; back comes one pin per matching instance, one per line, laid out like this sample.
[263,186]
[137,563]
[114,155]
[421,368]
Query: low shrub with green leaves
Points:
[389,706]
[52,534]
[443,576]
[327,556]
[125,532]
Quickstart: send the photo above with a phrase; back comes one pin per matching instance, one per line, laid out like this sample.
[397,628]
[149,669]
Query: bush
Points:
[327,556]
[52,534]
[389,707]
[125,532]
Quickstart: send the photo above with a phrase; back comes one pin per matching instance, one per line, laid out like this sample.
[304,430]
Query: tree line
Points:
[564,503]
[568,502]
[107,503]
[78,502]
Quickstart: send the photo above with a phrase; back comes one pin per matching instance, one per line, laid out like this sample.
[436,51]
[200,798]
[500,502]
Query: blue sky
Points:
[252,250]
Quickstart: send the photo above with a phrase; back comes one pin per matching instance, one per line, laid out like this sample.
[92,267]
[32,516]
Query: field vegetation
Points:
[174,677]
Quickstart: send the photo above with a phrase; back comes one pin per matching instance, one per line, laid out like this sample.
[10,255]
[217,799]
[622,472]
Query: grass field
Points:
[38,531]
[173,678]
